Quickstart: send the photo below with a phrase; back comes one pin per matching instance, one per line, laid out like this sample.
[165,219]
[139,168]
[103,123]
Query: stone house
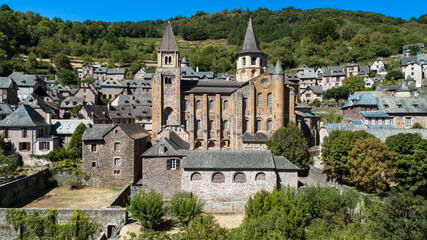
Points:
[65,110]
[307,77]
[110,88]
[43,104]
[98,114]
[415,67]
[28,133]
[311,93]
[224,179]
[140,86]
[88,93]
[112,154]
[139,74]
[402,109]
[5,110]
[332,77]
[64,129]
[406,50]
[378,63]
[8,91]
[26,84]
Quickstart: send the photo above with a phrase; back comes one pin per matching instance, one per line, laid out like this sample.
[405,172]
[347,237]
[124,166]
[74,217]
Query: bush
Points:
[73,182]
[204,227]
[186,206]
[147,208]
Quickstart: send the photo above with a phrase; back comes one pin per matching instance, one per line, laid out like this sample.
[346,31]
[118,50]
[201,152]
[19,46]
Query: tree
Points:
[417,125]
[8,164]
[67,76]
[335,150]
[315,103]
[76,109]
[337,93]
[354,83]
[403,216]
[61,61]
[322,30]
[411,163]
[290,142]
[204,227]
[75,145]
[370,165]
[185,206]
[147,208]
[393,77]
[414,49]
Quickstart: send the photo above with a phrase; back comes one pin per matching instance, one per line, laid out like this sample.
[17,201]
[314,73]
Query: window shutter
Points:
[177,164]
[97,166]
[169,164]
[48,145]
[20,146]
[40,145]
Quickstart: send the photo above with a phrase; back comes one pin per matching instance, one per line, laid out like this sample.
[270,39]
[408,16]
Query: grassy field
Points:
[85,198]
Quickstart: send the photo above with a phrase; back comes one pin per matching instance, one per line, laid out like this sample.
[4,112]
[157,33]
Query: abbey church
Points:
[216,114]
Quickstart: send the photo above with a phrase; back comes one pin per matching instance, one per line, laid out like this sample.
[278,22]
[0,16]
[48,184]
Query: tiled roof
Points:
[24,80]
[5,82]
[163,147]
[255,137]
[134,131]
[278,68]
[113,71]
[5,109]
[316,89]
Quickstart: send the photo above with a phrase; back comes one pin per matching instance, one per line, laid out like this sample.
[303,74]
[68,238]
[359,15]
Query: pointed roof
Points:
[163,147]
[402,87]
[278,68]
[184,60]
[24,116]
[168,42]
[250,44]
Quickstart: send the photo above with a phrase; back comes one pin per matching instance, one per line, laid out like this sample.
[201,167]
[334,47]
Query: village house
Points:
[110,88]
[332,77]
[139,74]
[311,93]
[88,93]
[42,103]
[5,110]
[224,179]
[406,51]
[378,63]
[112,154]
[307,77]
[26,84]
[9,91]
[64,129]
[98,114]
[130,86]
[67,106]
[27,133]
[415,67]
[101,73]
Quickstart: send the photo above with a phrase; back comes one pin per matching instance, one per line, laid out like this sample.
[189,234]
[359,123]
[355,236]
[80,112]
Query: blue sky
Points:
[140,10]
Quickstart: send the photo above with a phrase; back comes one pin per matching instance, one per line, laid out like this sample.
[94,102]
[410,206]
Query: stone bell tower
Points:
[251,61]
[166,83]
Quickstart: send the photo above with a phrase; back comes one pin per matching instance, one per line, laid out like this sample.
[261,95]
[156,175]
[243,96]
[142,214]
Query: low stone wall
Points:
[104,217]
[122,198]
[23,188]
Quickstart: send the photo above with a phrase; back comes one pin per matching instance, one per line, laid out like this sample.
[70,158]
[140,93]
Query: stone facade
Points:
[112,154]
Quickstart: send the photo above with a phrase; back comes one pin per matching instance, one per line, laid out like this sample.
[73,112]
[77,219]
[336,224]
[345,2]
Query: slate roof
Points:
[334,71]
[403,105]
[365,99]
[278,68]
[375,114]
[5,109]
[97,132]
[379,126]
[341,126]
[420,59]
[168,42]
[255,137]
[284,164]
[250,44]
[148,76]
[391,88]
[364,70]
[163,147]
[24,116]
[403,87]
[65,126]
[136,99]
[97,112]
[351,64]
[230,159]
[136,83]
[384,133]
[101,70]
[24,80]
[5,82]
[316,89]
[111,83]
[70,102]
[406,47]
[210,86]
[188,72]
[134,131]
[115,71]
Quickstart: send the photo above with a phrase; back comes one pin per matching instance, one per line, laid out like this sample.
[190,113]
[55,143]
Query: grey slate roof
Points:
[65,126]
[114,71]
[250,44]
[188,72]
[375,114]
[379,126]
[316,89]
[97,132]
[255,137]
[70,102]
[420,59]
[406,47]
[134,131]
[24,116]
[384,133]
[284,164]
[163,147]
[403,105]
[24,80]
[97,112]
[168,42]
[101,70]
[278,68]
[403,87]
[5,82]
[111,83]
[230,159]
[364,70]
[334,71]
[5,109]
[365,99]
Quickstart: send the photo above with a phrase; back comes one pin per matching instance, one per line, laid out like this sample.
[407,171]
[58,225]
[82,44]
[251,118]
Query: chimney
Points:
[162,149]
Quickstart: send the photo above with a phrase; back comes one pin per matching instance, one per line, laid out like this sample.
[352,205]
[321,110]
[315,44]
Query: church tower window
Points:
[244,61]
[269,99]
[258,125]
[259,99]
[199,105]
[253,60]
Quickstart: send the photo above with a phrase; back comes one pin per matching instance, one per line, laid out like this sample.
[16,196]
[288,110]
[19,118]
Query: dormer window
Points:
[399,106]
[386,106]
[415,106]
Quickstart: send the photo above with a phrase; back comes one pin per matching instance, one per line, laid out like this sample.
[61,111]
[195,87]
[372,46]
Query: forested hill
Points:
[317,37]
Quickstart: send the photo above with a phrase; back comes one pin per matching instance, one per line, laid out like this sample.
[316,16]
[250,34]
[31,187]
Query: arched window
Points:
[244,61]
[211,105]
[199,105]
[196,176]
[239,177]
[198,124]
[269,125]
[244,75]
[198,145]
[245,104]
[225,125]
[225,105]
[211,144]
[168,113]
[211,125]
[253,60]
[170,60]
[269,99]
[258,125]
[166,60]
[259,99]
[218,177]
[260,61]
[260,177]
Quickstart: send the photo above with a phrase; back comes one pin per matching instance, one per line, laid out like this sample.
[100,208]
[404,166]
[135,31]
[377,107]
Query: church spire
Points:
[278,68]
[168,42]
[250,44]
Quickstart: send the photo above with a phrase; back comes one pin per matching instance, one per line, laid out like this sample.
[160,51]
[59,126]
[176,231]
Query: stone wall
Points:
[122,198]
[287,178]
[23,188]
[229,196]
[104,217]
